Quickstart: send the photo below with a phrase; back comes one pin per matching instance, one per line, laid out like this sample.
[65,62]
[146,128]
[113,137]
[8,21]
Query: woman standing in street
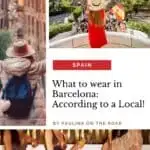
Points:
[96,23]
[21,63]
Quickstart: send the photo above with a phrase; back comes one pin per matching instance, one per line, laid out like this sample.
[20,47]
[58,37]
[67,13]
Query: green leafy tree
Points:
[77,13]
[132,5]
[5,41]
[51,6]
[58,6]
[66,5]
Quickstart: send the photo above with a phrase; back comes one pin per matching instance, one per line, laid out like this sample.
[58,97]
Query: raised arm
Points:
[108,4]
[38,68]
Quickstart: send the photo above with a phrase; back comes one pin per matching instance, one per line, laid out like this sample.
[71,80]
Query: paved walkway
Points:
[142,16]
[61,36]
[98,147]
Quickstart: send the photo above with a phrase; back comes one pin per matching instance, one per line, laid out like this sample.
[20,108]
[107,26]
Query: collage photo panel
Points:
[26,34]
[22,63]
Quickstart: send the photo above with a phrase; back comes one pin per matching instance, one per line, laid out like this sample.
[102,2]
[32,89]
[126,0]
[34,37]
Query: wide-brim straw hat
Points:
[96,5]
[20,49]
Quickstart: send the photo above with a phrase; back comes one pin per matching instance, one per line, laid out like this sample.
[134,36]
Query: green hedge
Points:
[65,5]
[144,27]
[59,28]
[77,12]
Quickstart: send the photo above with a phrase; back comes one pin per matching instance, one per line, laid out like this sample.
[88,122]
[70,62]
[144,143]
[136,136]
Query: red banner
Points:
[81,64]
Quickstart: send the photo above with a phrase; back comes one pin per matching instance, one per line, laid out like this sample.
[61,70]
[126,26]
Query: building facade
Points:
[27,16]
[4,14]
[35,25]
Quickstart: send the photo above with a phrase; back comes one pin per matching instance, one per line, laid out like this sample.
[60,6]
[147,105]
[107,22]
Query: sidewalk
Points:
[61,36]
[98,147]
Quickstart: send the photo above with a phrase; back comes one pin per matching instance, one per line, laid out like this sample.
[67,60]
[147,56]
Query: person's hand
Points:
[89,3]
[4,106]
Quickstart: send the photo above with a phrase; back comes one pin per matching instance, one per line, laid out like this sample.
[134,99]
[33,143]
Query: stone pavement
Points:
[86,147]
[22,122]
[142,16]
[61,36]
[107,46]
[98,147]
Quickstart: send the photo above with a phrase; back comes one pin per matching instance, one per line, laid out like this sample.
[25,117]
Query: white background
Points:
[130,66]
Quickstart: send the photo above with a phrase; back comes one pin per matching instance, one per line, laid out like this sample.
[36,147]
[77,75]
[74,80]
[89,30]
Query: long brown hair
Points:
[95,17]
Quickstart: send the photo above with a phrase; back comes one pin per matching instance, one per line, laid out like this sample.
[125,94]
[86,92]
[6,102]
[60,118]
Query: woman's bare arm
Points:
[49,140]
[7,140]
